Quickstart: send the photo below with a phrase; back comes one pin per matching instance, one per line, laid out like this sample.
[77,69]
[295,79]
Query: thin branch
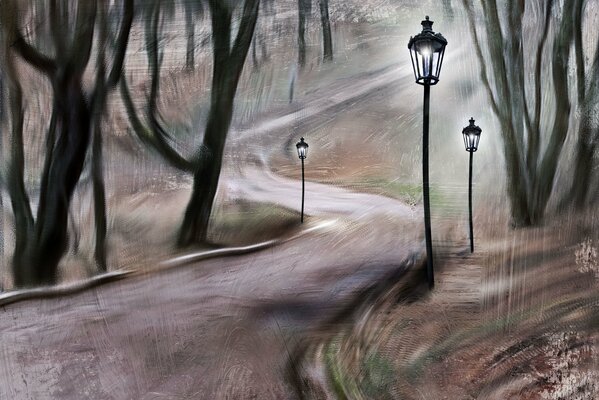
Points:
[150,137]
[245,33]
[32,55]
[579,51]
[482,65]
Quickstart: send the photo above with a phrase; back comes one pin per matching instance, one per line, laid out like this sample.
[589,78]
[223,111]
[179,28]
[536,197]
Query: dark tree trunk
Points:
[584,163]
[303,10]
[205,182]
[228,64]
[327,40]
[190,29]
[61,175]
[99,192]
[23,273]
[530,171]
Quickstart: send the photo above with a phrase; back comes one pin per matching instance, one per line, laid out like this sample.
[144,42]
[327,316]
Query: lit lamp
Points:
[471,135]
[427,50]
[302,152]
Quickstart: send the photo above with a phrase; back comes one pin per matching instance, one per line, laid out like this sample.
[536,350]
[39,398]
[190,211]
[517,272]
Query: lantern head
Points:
[471,135]
[302,149]
[427,50]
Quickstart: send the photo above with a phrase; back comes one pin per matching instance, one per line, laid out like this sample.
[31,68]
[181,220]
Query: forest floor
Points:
[515,320]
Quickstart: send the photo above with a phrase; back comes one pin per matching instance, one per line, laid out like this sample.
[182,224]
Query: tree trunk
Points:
[99,192]
[327,40]
[583,168]
[543,185]
[303,9]
[190,29]
[228,64]
[23,273]
[205,183]
[61,175]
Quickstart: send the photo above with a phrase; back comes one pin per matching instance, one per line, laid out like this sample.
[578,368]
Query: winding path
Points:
[215,329]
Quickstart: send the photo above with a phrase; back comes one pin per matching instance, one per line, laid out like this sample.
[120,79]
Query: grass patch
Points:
[241,223]
[343,385]
[374,379]
[409,193]
[378,376]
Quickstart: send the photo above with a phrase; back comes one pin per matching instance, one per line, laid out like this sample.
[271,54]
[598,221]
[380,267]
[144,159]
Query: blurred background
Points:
[143,141]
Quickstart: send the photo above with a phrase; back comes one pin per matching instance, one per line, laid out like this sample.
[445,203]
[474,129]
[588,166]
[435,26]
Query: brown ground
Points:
[515,320]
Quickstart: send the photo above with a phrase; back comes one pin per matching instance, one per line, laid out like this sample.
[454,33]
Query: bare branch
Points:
[32,55]
[483,69]
[154,138]
[579,50]
[245,33]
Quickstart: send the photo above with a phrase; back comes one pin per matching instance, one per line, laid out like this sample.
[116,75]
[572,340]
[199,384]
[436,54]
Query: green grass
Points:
[243,223]
[373,380]
[343,385]
[409,193]
[378,376]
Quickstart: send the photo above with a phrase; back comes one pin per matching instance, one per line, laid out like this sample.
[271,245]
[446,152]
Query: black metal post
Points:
[425,189]
[470,205]
[303,187]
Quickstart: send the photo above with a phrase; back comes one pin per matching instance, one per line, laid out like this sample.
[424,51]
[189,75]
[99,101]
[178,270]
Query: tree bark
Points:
[228,65]
[327,40]
[23,273]
[581,181]
[99,195]
[190,30]
[547,169]
[50,240]
[303,10]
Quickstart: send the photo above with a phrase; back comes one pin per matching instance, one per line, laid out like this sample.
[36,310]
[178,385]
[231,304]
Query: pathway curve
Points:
[219,328]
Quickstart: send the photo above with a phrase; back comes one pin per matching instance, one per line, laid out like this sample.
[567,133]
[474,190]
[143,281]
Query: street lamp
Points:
[471,135]
[427,50]
[302,152]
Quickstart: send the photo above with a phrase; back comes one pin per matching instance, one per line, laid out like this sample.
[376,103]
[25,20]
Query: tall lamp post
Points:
[302,152]
[471,135]
[426,51]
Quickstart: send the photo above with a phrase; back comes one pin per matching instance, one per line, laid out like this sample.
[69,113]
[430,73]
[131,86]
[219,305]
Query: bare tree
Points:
[41,242]
[532,151]
[229,58]
[303,10]
[192,9]
[327,41]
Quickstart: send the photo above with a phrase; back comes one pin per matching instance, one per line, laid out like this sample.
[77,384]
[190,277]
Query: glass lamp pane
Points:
[472,141]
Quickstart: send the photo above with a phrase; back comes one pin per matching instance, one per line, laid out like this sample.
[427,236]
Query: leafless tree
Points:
[229,58]
[516,84]
[76,113]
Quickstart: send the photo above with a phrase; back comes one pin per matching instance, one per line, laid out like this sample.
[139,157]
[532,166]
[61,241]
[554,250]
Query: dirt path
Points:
[220,328]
